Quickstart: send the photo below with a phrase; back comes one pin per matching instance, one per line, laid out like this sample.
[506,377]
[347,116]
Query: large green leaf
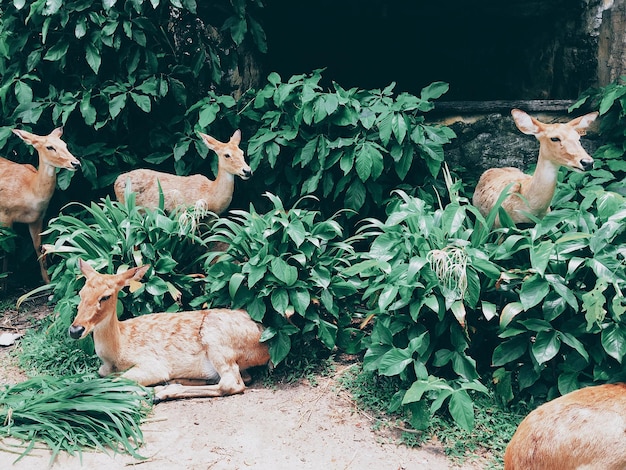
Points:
[546,346]
[614,341]
[534,290]
[461,409]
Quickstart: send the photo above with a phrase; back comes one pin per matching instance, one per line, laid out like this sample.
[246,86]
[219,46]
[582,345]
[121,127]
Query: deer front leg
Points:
[35,233]
[230,383]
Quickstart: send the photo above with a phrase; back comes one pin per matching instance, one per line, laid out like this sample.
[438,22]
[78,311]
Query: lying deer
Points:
[584,429]
[25,191]
[214,196]
[559,145]
[184,347]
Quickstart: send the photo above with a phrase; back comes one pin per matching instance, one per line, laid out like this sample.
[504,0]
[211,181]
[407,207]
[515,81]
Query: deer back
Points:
[582,429]
[196,190]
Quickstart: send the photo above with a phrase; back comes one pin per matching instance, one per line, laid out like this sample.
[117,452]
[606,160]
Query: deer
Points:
[529,197]
[195,190]
[583,429]
[25,191]
[182,354]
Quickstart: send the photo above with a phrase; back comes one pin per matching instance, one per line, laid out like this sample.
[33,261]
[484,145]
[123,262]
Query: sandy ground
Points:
[287,427]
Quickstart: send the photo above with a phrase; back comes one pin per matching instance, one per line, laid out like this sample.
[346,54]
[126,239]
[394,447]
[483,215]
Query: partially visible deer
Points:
[212,195]
[183,347]
[559,145]
[584,429]
[25,191]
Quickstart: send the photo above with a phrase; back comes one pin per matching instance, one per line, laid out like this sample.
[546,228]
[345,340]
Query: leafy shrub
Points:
[423,270]
[102,67]
[563,325]
[7,246]
[287,269]
[349,148]
[610,167]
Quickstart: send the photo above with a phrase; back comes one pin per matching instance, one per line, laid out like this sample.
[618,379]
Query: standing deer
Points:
[584,429]
[202,345]
[25,191]
[214,196]
[559,145]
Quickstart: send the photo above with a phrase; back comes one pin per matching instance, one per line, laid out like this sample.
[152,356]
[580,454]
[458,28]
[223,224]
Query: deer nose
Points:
[75,164]
[587,163]
[76,331]
[247,173]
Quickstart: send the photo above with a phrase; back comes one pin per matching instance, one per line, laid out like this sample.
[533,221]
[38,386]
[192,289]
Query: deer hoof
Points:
[165,392]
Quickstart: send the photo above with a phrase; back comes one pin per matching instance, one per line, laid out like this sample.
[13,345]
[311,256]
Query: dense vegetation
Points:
[355,237]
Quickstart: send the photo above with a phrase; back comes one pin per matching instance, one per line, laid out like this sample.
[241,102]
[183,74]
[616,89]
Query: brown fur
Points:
[584,429]
[207,345]
[25,192]
[185,191]
[559,145]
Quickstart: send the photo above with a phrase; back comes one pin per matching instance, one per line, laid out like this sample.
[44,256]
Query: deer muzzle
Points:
[76,332]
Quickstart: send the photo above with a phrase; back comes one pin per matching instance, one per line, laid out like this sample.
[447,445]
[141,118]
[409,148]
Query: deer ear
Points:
[583,122]
[137,273]
[210,142]
[86,268]
[58,132]
[525,123]
[236,137]
[25,136]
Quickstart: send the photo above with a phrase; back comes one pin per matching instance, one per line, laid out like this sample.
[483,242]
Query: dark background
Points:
[485,50]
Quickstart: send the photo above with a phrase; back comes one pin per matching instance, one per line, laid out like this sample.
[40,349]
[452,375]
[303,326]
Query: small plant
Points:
[71,413]
[494,425]
[286,268]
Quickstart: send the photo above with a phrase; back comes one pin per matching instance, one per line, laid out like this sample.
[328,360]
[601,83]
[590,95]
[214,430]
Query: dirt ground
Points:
[301,426]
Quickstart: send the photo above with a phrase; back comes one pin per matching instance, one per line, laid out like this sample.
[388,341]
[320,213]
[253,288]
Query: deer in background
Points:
[559,145]
[184,347]
[584,429]
[25,191]
[214,196]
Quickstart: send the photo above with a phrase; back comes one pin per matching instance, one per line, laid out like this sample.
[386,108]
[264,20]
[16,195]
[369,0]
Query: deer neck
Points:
[220,190]
[46,180]
[106,338]
[540,189]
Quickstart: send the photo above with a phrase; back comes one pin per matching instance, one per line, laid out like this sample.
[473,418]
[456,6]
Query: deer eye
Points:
[555,139]
[104,298]
[50,147]
[227,155]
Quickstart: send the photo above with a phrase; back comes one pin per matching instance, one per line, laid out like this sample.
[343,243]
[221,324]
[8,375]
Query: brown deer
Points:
[584,429]
[183,347]
[559,145]
[212,195]
[25,191]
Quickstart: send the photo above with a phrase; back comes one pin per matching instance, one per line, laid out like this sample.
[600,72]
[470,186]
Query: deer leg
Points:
[35,233]
[230,383]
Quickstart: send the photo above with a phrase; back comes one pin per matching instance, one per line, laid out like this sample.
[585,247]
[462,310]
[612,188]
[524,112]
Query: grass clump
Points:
[68,414]
[50,351]
[494,425]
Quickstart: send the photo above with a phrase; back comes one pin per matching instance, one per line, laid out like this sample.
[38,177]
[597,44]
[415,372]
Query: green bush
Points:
[349,148]
[287,269]
[562,321]
[424,270]
[101,68]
